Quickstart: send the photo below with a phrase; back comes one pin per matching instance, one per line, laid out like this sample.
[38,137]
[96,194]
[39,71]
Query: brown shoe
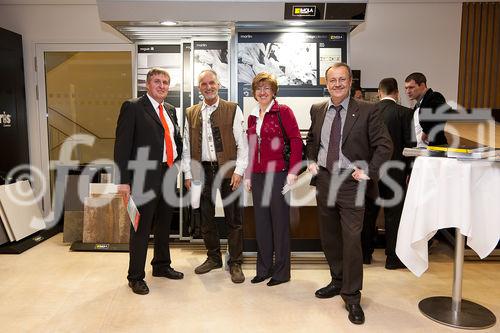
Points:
[236,273]
[207,266]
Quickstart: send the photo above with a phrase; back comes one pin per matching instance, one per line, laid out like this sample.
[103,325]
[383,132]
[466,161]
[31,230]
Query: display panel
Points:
[293,64]
[211,55]
[187,75]
[168,57]
[298,61]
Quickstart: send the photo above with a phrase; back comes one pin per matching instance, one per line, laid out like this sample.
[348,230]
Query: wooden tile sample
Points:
[105,220]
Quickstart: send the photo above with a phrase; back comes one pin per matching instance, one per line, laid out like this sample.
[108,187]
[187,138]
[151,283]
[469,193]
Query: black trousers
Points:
[272,226]
[369,231]
[340,228]
[159,213]
[233,217]
[392,216]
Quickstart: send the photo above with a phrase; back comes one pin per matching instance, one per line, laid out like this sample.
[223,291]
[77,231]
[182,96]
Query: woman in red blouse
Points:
[271,127]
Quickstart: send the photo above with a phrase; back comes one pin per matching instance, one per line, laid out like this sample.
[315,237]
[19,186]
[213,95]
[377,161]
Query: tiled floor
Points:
[50,289]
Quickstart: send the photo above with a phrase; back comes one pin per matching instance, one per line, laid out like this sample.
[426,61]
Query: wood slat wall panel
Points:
[489,56]
[479,55]
[496,60]
[462,74]
[481,71]
[475,56]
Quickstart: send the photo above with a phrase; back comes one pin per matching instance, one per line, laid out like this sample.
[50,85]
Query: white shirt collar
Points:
[214,106]
[389,98]
[256,110]
[154,102]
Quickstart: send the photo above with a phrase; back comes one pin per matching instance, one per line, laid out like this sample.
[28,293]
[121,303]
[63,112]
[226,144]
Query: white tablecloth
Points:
[445,193]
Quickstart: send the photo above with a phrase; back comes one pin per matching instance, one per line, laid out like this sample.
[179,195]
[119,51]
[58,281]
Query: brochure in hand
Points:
[133,213]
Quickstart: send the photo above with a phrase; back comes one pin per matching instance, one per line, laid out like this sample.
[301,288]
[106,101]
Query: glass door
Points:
[81,89]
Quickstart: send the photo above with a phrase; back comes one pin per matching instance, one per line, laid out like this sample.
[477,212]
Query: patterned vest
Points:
[221,120]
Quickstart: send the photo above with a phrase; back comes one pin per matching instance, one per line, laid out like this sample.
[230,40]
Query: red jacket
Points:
[267,156]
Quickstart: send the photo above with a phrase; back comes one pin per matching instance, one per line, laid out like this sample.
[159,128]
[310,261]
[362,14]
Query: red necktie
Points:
[168,140]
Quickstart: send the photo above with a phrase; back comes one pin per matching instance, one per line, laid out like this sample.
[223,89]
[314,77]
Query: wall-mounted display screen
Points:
[293,64]
[297,60]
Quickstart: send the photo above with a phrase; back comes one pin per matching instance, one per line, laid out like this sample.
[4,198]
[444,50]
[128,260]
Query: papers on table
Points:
[460,153]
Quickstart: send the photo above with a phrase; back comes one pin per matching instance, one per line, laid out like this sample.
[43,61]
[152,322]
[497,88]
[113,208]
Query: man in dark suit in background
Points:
[425,98]
[147,135]
[398,120]
[344,132]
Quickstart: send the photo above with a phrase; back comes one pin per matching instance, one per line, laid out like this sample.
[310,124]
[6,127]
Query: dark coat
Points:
[432,101]
[364,138]
[139,126]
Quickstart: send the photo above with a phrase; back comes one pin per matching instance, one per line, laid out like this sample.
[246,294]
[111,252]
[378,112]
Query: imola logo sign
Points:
[336,37]
[5,119]
[304,11]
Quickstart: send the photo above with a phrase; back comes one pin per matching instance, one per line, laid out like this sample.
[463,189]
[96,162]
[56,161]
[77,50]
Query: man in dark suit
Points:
[427,131]
[148,142]
[398,120]
[346,145]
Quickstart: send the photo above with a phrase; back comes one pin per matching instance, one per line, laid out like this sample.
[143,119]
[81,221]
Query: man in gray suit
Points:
[346,145]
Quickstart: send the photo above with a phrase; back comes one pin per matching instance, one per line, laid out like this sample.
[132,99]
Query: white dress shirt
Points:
[418,128]
[207,147]
[170,125]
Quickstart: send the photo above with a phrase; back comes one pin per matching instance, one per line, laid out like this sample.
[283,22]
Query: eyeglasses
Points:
[340,80]
[263,88]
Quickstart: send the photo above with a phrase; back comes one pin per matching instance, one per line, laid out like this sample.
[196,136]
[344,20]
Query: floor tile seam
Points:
[65,300]
[109,306]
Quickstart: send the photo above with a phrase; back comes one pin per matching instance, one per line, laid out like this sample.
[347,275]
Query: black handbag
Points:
[286,148]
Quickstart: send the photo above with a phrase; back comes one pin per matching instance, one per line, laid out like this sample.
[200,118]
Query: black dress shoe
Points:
[258,279]
[139,287]
[274,282]
[169,273]
[356,314]
[393,263]
[327,292]
[367,259]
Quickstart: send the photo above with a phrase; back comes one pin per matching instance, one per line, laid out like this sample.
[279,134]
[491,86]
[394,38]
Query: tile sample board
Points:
[5,223]
[105,220]
[4,238]
[21,213]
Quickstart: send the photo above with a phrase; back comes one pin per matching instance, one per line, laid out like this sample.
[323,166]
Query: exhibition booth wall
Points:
[383,46]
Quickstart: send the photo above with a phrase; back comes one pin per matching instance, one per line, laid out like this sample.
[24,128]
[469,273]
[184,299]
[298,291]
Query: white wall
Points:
[51,24]
[398,39]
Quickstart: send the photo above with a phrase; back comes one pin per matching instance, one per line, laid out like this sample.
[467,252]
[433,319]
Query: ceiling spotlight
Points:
[168,23]
[297,23]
